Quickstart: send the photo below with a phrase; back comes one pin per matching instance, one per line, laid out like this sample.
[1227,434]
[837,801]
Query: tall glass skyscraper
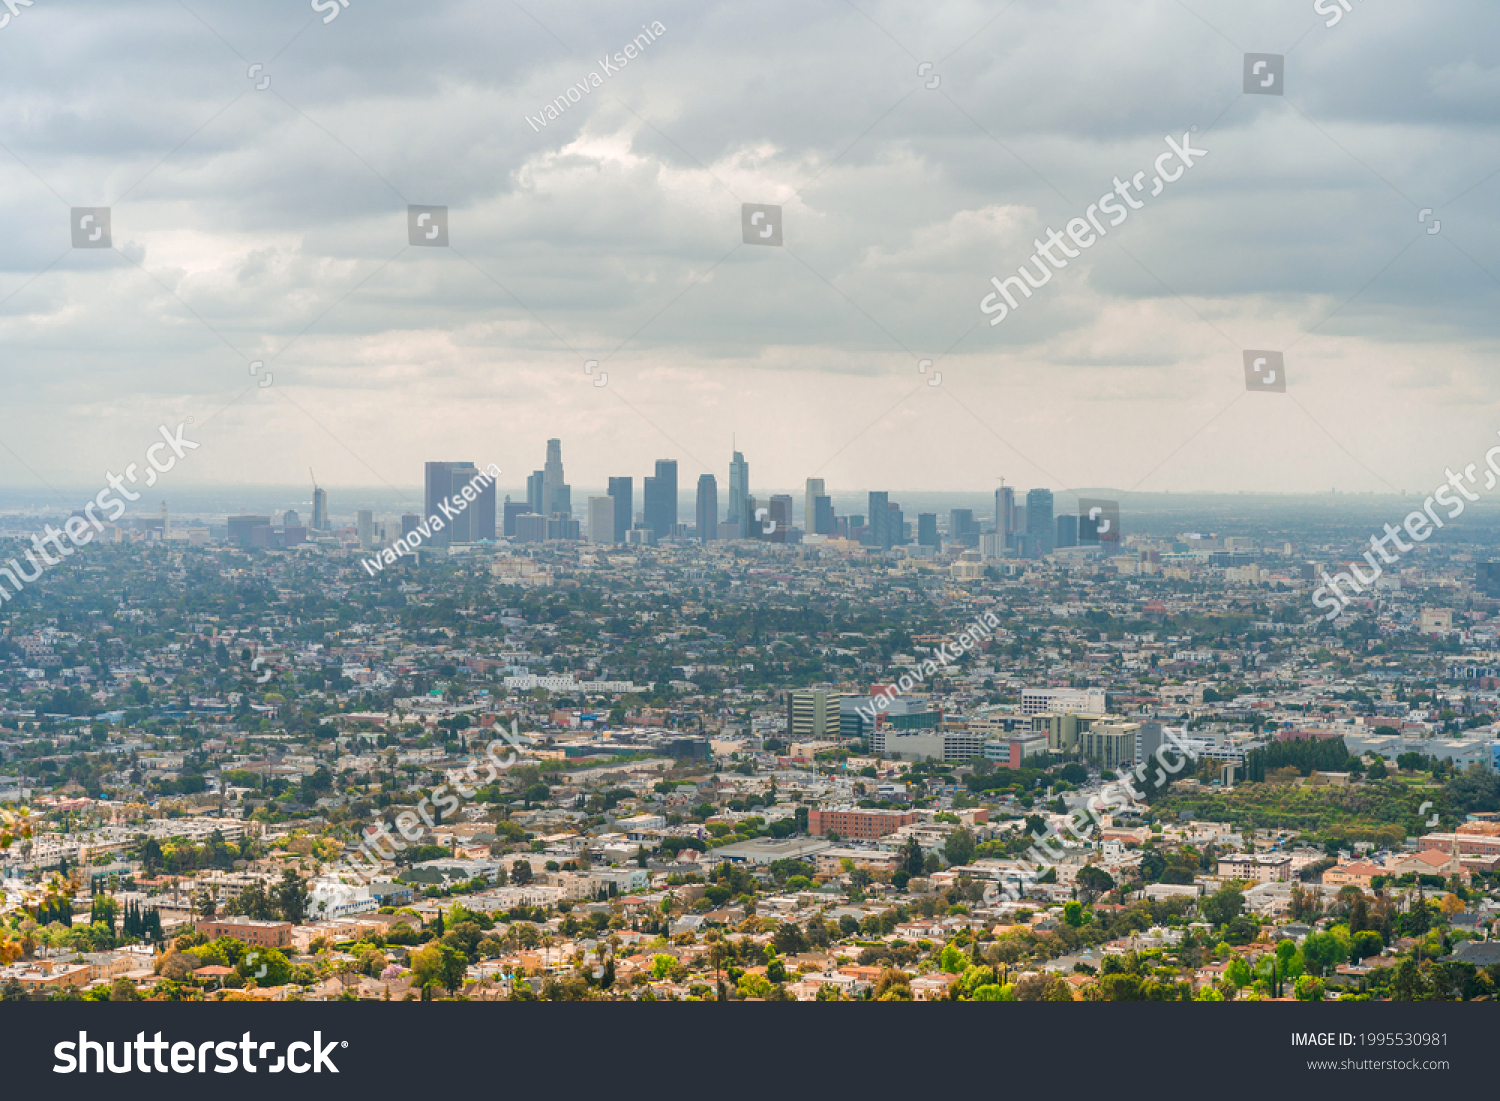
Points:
[739,493]
[661,498]
[557,495]
[1040,526]
[708,508]
[444,481]
[623,491]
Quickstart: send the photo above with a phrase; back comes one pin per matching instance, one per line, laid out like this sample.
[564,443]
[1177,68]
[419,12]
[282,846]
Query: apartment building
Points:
[858,825]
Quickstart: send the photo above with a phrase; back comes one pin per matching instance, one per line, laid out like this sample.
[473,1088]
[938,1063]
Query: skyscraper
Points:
[365,521]
[661,498]
[878,533]
[601,519]
[1040,529]
[780,513]
[823,522]
[512,510]
[809,504]
[927,533]
[444,481]
[556,494]
[739,493]
[534,482]
[1067,530]
[621,490]
[708,507]
[320,509]
[1005,517]
[962,528]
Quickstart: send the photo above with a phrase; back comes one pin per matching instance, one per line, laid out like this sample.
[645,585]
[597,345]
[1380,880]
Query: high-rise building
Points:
[320,509]
[556,493]
[661,498]
[877,534]
[531,527]
[1040,529]
[409,522]
[1005,517]
[812,713]
[601,519]
[365,522]
[823,521]
[534,482]
[514,509]
[927,533]
[962,527]
[444,481]
[809,504]
[896,526]
[739,493]
[1067,530]
[780,514]
[708,507]
[289,518]
[621,491]
[437,485]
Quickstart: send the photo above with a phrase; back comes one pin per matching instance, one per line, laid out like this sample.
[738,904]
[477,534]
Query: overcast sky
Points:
[270,224]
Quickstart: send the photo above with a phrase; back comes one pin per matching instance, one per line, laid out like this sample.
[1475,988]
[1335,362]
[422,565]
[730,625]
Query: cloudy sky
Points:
[259,231]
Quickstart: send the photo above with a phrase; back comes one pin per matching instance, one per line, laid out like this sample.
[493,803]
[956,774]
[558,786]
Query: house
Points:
[1480,953]
[930,988]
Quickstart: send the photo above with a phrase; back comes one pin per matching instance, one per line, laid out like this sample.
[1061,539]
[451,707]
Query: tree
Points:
[958,847]
[912,857]
[206,905]
[520,873]
[1377,770]
[1092,882]
[266,966]
[1223,906]
[439,965]
[291,897]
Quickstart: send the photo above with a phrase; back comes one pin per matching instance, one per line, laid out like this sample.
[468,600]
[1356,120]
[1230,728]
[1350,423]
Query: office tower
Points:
[812,713]
[534,482]
[661,498]
[780,514]
[409,522]
[482,509]
[809,504]
[1039,523]
[445,481]
[962,528]
[1067,530]
[877,534]
[531,527]
[320,509]
[927,534]
[823,522]
[289,518]
[365,522]
[895,526]
[514,509]
[557,495]
[708,507]
[621,490]
[437,485]
[601,520]
[739,493]
[1005,517]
